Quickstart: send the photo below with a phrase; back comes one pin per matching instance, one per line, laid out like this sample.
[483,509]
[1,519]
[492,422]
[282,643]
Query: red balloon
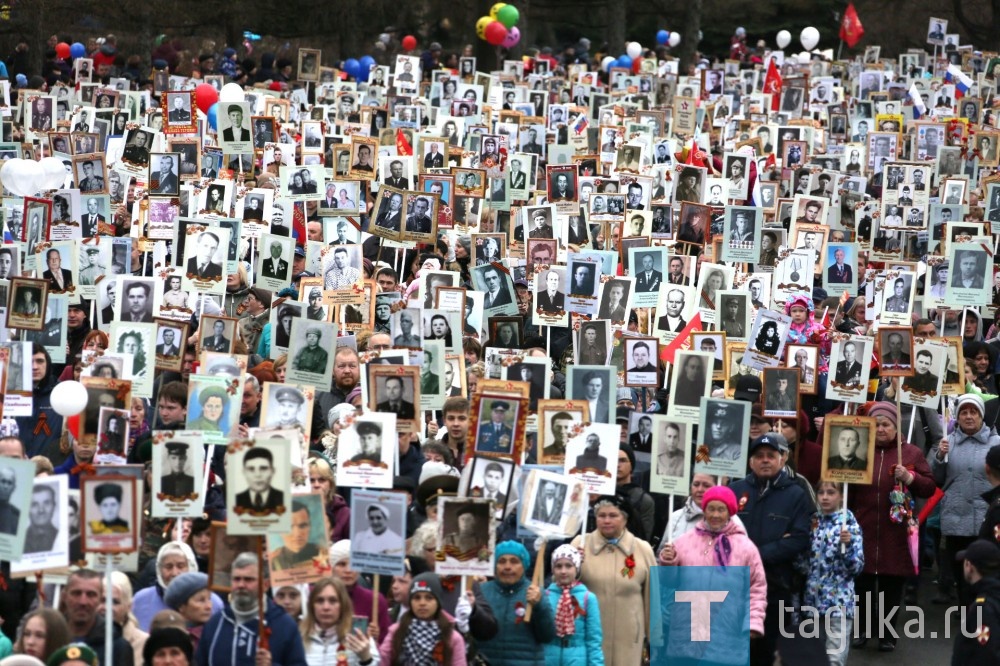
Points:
[496,33]
[409,43]
[62,50]
[636,64]
[205,95]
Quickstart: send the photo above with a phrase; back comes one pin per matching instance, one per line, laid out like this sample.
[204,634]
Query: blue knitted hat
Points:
[513,548]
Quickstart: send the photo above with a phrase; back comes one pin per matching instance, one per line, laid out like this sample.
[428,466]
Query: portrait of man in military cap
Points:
[494,434]
[177,482]
[283,407]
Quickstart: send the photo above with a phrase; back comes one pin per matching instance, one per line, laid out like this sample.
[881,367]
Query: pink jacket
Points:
[457,647]
[694,549]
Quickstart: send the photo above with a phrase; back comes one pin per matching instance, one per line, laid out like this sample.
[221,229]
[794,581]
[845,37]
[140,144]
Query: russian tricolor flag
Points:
[919,108]
[963,83]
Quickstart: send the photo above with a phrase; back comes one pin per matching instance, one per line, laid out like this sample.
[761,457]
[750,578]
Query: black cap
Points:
[993,458]
[981,553]
[748,388]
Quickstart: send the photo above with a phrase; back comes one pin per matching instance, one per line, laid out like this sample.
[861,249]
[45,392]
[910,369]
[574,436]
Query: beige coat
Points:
[624,601]
[136,638]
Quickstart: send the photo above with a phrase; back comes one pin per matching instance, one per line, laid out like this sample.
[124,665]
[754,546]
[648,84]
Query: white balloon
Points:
[783,38]
[805,58]
[231,92]
[22,177]
[55,173]
[634,50]
[69,398]
[675,39]
[809,38]
[606,62]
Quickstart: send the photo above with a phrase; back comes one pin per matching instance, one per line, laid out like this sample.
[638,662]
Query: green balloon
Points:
[508,15]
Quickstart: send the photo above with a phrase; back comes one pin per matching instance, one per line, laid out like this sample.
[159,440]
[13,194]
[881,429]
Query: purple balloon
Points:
[512,38]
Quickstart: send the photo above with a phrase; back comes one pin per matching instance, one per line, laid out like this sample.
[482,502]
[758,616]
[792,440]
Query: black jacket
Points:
[121,649]
[982,647]
[990,529]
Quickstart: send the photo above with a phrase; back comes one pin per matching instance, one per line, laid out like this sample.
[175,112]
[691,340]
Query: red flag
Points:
[772,84]
[403,147]
[851,30]
[696,156]
[682,341]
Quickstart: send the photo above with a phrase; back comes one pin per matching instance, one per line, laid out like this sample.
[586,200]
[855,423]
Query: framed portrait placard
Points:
[691,378]
[27,299]
[17,480]
[591,455]
[672,442]
[954,377]
[490,478]
[551,504]
[302,555]
[224,549]
[47,544]
[395,389]
[923,388]
[367,451]
[848,449]
[723,437]
[781,393]
[557,420]
[969,282]
[109,514]
[850,367]
[258,494]
[378,532]
[178,473]
[498,419]
[895,345]
[805,359]
[466,537]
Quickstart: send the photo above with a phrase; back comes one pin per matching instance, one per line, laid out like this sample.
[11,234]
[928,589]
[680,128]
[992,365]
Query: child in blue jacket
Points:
[578,619]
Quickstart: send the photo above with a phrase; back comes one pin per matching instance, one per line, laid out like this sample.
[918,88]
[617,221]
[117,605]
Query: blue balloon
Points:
[213,116]
[662,36]
[624,61]
[366,62]
[77,50]
[352,67]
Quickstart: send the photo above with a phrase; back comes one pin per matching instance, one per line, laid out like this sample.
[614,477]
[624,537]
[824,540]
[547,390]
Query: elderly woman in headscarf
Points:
[616,568]
[578,618]
[517,643]
[720,541]
[883,514]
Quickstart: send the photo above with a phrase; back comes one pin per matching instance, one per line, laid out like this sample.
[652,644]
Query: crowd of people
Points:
[447,270]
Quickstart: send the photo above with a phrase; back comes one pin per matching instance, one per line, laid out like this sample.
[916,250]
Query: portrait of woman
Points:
[767,340]
[506,335]
[213,401]
[132,343]
[691,382]
[440,330]
[713,283]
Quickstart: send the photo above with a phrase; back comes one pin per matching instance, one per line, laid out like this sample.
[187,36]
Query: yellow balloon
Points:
[495,9]
[481,26]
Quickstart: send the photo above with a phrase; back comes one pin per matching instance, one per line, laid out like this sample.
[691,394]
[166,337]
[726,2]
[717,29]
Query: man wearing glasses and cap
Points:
[378,538]
[495,436]
[176,483]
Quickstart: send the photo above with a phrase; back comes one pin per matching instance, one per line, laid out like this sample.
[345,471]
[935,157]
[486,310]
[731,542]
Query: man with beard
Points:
[238,624]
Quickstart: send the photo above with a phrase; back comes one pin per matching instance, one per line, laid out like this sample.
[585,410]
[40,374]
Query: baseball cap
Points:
[772,439]
[748,388]
[980,553]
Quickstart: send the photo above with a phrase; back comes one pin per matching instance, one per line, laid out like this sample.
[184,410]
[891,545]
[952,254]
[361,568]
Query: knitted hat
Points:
[513,548]
[73,652]
[884,409]
[720,494]
[164,638]
[617,501]
[183,587]
[567,552]
[427,582]
[340,551]
[974,400]
[629,452]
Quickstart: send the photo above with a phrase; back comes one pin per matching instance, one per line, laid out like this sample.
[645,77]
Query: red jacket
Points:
[886,548]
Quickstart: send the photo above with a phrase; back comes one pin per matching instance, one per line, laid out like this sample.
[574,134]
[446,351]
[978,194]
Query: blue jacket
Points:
[583,648]
[777,516]
[223,643]
[518,643]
